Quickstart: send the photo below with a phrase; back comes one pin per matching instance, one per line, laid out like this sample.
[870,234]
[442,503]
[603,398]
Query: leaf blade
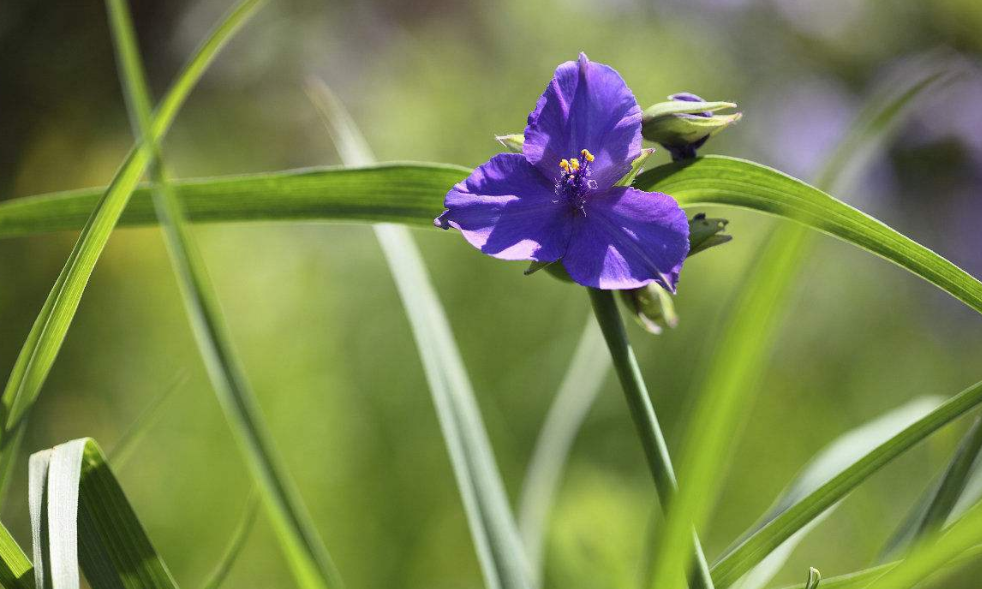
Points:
[493,529]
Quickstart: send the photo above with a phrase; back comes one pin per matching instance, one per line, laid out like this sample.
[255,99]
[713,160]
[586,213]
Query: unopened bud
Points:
[684,123]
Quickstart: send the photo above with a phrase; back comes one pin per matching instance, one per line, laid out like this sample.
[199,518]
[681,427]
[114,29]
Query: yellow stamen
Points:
[575,164]
[587,155]
[564,165]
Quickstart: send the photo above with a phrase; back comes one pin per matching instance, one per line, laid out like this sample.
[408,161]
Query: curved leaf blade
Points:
[720,180]
[499,549]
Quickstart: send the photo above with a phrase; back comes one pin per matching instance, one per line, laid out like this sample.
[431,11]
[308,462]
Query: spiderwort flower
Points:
[557,200]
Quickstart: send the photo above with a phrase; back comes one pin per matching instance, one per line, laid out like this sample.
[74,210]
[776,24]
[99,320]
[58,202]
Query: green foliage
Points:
[727,391]
[308,557]
[48,333]
[762,542]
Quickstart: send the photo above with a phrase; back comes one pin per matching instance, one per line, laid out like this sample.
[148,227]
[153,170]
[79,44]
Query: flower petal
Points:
[508,210]
[586,106]
[627,239]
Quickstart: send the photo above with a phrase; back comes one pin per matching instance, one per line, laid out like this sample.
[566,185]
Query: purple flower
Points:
[558,200]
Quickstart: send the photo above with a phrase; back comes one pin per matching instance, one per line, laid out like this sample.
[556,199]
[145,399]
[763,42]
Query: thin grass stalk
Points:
[495,535]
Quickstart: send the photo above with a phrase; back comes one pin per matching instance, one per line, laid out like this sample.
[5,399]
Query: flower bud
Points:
[685,123]
[652,307]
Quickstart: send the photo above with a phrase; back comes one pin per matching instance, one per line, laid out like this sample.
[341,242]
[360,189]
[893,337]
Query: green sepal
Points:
[512,143]
[674,107]
[535,267]
[637,166]
[705,233]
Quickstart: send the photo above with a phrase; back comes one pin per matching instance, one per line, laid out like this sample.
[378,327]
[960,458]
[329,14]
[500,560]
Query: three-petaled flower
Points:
[558,200]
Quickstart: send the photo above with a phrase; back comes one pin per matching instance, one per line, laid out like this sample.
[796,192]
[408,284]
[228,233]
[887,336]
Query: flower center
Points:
[574,183]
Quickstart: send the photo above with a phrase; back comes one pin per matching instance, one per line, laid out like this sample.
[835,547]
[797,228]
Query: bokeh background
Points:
[315,314]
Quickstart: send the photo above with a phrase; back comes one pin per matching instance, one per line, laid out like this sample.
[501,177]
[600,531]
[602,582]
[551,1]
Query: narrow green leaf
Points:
[729,181]
[88,515]
[935,555]
[45,339]
[123,449]
[758,545]
[16,571]
[305,552]
[933,510]
[580,386]
[235,544]
[409,193]
[496,539]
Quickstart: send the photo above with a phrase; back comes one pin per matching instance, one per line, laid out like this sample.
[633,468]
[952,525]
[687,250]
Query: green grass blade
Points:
[305,552]
[48,332]
[89,516]
[37,478]
[580,386]
[933,510]
[407,193]
[16,571]
[758,545]
[123,449]
[720,180]
[935,555]
[235,545]
[496,539]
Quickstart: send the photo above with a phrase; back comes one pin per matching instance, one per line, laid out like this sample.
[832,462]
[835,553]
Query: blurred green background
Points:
[316,318]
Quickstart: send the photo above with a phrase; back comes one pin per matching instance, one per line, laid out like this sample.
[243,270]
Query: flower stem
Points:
[643,414]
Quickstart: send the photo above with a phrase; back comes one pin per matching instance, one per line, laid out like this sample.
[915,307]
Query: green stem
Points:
[645,420]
